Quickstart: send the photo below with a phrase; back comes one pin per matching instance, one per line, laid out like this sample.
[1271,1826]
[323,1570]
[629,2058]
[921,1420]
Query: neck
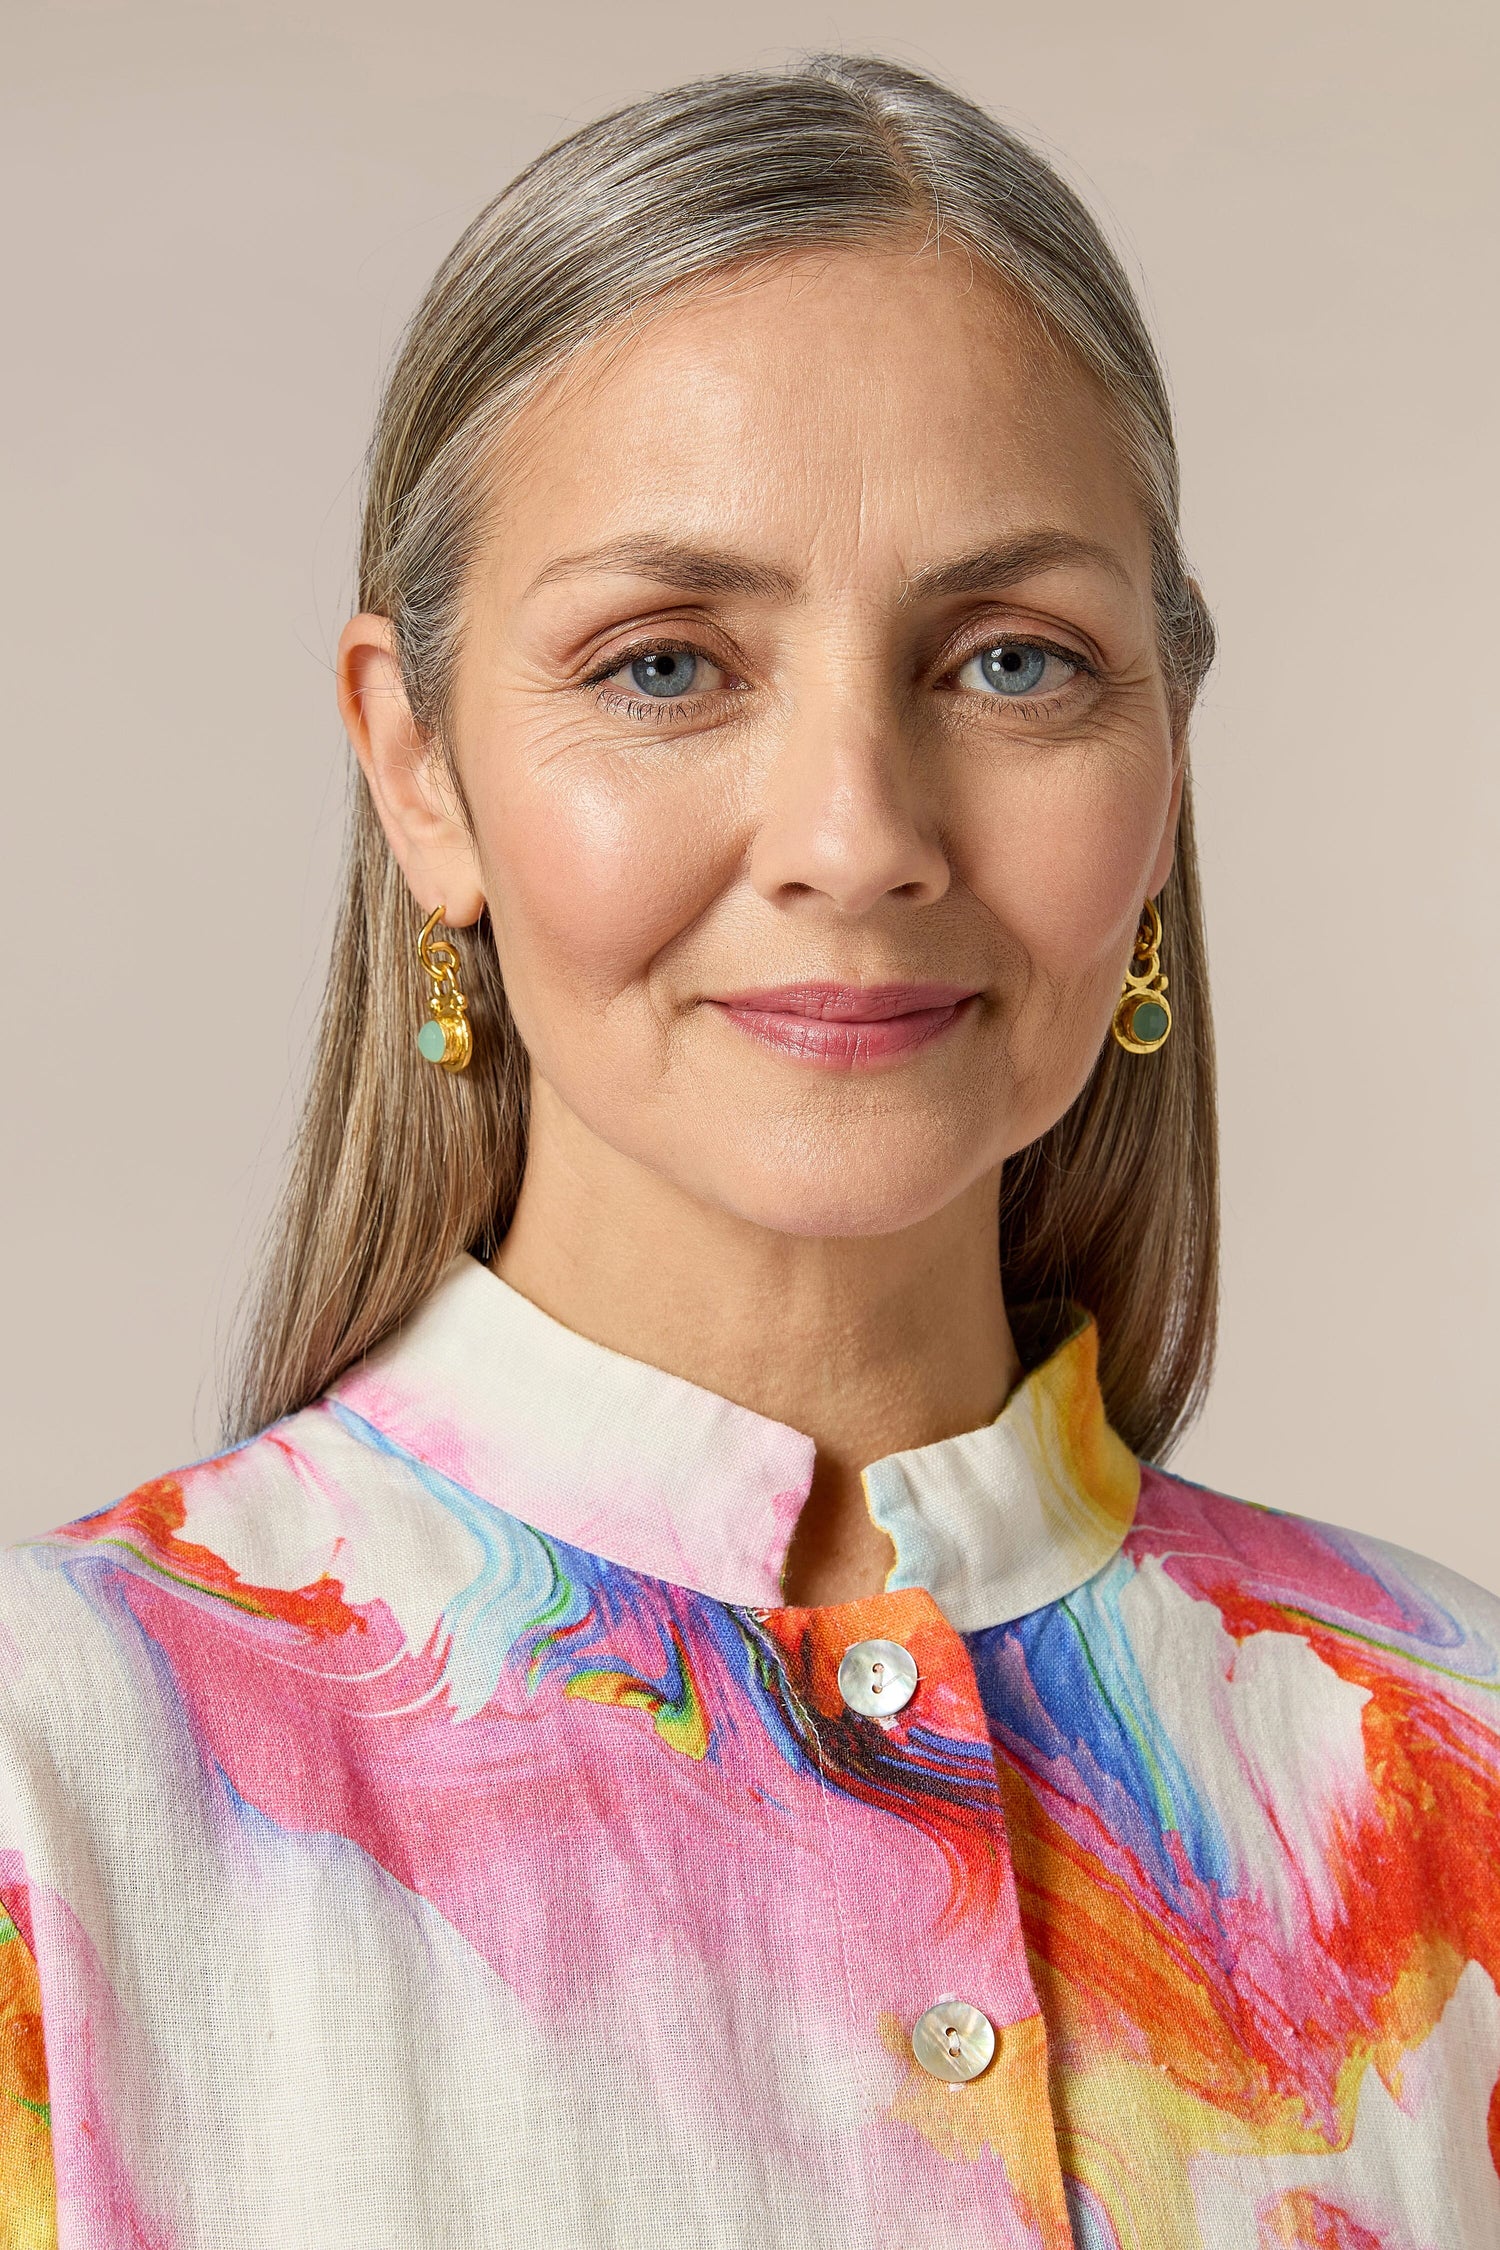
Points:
[868,1344]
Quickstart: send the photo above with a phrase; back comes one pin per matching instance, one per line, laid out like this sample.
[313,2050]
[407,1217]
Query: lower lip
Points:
[841,1044]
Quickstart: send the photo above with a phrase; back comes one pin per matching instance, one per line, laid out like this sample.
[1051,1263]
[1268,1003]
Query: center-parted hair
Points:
[397,1166]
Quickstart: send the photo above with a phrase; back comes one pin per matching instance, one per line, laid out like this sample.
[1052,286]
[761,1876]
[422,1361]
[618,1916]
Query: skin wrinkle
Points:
[841,464]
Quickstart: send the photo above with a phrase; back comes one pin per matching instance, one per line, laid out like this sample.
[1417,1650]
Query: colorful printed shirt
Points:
[427,1828]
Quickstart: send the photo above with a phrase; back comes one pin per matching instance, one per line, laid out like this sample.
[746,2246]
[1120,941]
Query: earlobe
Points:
[419,811]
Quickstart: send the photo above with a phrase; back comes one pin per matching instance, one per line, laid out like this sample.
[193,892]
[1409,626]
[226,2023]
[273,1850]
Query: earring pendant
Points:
[447,1037]
[1143,1013]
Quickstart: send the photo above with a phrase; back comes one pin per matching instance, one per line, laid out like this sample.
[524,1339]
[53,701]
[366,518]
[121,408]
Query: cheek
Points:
[1063,874]
[1063,867]
[592,868]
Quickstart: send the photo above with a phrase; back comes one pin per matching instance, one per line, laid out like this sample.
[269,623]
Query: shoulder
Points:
[209,1622]
[316,1527]
[254,1496]
[1266,1569]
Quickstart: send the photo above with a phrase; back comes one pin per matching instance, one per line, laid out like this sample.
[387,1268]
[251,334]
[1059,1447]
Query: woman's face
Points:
[815,738]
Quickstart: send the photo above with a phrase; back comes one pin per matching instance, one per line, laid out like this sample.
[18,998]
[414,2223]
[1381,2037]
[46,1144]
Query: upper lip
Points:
[847,1003]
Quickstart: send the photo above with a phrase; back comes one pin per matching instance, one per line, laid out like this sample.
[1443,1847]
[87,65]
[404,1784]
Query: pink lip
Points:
[846,1026]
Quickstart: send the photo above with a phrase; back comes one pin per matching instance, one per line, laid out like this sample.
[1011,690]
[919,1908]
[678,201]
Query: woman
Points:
[690,1722]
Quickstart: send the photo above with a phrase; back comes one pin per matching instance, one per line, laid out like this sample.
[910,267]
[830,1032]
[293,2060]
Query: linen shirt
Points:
[427,1825]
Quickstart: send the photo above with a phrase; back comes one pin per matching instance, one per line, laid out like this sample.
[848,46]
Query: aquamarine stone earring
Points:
[446,1038]
[1143,1013]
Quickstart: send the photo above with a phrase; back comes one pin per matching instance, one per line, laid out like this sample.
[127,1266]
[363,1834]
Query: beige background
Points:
[219,216]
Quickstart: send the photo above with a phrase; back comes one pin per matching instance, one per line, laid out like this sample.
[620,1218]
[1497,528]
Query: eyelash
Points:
[656,708]
[646,707]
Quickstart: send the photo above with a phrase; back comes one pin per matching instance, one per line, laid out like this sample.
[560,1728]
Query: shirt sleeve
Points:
[28,2193]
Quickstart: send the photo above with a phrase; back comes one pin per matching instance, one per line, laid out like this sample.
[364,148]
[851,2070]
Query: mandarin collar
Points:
[651,1472]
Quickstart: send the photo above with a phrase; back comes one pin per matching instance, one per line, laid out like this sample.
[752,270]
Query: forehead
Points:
[887,399]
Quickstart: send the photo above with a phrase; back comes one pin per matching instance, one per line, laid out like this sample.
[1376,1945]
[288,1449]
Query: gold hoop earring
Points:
[1143,1013]
[446,1038]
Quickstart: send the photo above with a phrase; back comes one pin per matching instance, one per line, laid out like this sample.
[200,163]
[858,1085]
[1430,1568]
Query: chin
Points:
[842,1192]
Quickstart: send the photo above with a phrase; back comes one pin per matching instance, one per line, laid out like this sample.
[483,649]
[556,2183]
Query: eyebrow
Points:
[707,570]
[1008,561]
[698,570]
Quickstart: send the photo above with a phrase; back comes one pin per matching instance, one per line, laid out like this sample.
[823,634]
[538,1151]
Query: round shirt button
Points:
[954,2041]
[877,1678]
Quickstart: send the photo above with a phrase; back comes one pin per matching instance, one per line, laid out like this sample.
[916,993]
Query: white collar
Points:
[652,1472]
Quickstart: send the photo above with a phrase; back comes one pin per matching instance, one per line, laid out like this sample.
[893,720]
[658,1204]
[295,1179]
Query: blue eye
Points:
[666,671]
[664,675]
[1016,668]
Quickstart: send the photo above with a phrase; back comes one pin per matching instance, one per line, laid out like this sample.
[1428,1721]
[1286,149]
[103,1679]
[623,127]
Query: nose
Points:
[848,815]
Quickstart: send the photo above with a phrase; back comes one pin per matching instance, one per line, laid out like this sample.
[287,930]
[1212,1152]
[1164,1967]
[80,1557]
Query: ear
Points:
[411,791]
[1166,849]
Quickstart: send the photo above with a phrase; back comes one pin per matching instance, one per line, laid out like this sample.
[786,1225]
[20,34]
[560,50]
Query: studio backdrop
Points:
[220,217]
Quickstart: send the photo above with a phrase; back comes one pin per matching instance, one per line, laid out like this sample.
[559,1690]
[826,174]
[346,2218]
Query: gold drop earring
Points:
[446,1038]
[1143,1014]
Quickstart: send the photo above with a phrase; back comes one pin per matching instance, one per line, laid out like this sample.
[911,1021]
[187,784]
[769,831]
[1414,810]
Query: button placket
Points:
[966,2063]
[953,2040]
